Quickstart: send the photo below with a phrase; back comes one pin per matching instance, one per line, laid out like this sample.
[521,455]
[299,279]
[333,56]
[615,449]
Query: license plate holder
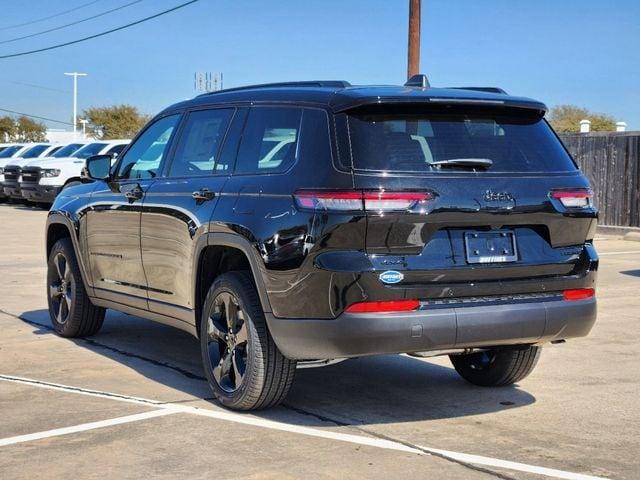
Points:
[495,246]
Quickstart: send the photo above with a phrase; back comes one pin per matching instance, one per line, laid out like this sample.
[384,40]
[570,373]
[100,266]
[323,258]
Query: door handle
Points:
[203,195]
[135,193]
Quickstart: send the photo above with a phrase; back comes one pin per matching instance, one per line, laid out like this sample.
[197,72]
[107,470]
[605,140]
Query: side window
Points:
[315,143]
[143,159]
[200,142]
[116,149]
[270,140]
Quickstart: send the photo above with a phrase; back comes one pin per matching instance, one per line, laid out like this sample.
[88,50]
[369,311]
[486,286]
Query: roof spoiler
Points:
[481,89]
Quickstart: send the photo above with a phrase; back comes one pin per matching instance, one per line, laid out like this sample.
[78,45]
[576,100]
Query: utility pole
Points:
[413,57]
[75,76]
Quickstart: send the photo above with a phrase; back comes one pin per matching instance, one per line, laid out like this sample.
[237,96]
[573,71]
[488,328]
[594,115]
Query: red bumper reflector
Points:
[384,307]
[578,294]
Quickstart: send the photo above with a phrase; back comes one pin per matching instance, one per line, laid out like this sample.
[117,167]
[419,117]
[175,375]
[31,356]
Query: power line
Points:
[31,22]
[34,116]
[41,87]
[70,24]
[91,37]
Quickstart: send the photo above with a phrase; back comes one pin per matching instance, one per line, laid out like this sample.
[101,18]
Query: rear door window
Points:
[270,140]
[418,142]
[200,140]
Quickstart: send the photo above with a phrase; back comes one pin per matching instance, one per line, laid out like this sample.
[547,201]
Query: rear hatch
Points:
[465,193]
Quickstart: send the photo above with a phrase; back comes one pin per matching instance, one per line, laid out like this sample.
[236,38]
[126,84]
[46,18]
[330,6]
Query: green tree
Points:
[566,119]
[28,130]
[7,129]
[116,121]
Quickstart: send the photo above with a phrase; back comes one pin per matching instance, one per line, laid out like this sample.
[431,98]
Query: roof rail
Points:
[309,83]
[482,89]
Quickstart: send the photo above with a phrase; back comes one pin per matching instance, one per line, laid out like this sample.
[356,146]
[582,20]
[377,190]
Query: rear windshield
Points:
[68,150]
[90,150]
[413,142]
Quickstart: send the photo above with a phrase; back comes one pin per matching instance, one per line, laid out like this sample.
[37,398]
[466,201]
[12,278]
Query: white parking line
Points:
[248,419]
[56,432]
[506,464]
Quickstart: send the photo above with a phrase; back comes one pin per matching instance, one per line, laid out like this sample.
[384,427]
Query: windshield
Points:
[9,151]
[90,150]
[436,142]
[35,152]
[68,150]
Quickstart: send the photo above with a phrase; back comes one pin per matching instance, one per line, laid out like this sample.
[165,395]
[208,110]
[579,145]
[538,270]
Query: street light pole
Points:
[413,56]
[75,76]
[84,122]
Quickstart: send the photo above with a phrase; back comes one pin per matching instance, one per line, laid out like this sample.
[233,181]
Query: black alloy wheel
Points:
[61,288]
[227,342]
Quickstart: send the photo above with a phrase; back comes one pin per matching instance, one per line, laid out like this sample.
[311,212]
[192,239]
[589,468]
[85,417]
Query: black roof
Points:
[341,96]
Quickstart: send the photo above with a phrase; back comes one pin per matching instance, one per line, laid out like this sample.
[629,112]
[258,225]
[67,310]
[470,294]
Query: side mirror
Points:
[97,167]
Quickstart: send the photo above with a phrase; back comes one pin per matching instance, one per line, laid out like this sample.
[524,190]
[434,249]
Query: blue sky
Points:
[580,52]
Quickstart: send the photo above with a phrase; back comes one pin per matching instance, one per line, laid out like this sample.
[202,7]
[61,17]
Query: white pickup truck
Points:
[43,179]
[9,152]
[13,168]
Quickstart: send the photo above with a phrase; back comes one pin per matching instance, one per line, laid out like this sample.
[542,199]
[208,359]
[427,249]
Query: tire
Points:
[72,313]
[497,367]
[241,340]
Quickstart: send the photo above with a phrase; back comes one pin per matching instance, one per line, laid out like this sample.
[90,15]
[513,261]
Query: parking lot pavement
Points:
[131,401]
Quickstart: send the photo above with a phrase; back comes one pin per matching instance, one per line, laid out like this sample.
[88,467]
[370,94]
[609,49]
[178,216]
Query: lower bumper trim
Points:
[39,193]
[360,334]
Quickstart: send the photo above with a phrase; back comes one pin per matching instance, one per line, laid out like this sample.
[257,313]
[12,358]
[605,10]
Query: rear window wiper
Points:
[464,162]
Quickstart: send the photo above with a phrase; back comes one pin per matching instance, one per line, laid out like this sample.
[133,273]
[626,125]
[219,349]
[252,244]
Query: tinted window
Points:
[315,146]
[199,143]
[411,143]
[9,151]
[270,140]
[143,158]
[90,150]
[35,152]
[68,151]
[116,150]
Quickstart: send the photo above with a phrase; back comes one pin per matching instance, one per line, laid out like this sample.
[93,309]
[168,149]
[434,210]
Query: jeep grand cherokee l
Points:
[313,221]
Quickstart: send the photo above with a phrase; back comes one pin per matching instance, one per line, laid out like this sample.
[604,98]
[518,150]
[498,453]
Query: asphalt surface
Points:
[131,401]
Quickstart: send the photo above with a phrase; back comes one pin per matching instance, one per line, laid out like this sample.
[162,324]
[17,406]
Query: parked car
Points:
[13,168]
[303,223]
[5,145]
[9,152]
[44,179]
[31,170]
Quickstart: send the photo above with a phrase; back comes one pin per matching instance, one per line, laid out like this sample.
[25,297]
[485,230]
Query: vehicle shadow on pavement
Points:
[632,273]
[363,391]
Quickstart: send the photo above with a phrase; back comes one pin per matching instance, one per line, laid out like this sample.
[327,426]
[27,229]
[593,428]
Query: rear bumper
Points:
[352,335]
[39,193]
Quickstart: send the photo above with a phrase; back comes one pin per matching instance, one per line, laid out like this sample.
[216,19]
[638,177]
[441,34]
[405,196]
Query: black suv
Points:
[308,222]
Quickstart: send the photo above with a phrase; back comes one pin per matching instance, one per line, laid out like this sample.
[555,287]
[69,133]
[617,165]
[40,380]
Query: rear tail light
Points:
[578,294]
[580,198]
[351,200]
[384,307]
